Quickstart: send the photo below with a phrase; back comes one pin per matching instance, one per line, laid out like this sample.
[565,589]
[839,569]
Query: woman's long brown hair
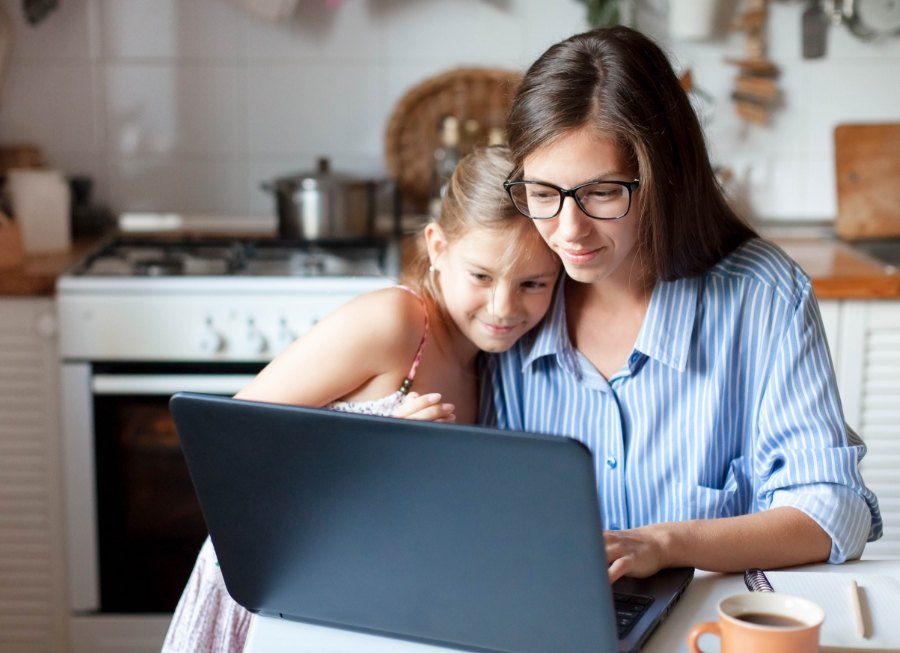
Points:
[620,83]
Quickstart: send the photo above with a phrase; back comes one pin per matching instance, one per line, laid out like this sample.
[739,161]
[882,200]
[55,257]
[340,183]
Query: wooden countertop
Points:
[838,270]
[36,275]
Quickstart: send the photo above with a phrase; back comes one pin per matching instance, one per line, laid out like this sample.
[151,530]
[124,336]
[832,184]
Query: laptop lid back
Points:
[460,536]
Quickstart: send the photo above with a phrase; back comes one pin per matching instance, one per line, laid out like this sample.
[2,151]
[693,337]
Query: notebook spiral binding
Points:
[756,581]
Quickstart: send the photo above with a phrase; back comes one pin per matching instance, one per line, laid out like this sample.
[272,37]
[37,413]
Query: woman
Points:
[475,286]
[684,351]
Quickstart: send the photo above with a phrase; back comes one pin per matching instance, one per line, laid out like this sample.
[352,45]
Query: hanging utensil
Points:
[814,30]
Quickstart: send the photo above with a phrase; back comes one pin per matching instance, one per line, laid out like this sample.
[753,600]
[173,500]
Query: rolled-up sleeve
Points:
[803,455]
[839,510]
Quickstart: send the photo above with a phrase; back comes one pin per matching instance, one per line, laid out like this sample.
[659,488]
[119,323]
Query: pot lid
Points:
[321,178]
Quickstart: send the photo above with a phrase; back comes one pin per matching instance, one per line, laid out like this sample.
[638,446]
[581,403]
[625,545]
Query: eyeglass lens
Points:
[603,200]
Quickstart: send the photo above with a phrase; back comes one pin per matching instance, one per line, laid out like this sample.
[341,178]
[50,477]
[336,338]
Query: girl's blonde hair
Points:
[474,199]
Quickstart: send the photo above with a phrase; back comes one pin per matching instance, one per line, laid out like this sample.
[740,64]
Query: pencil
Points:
[856,604]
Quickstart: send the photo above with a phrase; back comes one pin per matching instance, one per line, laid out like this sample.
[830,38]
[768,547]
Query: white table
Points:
[698,604]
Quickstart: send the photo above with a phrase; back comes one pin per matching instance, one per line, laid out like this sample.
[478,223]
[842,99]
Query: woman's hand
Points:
[425,407]
[637,552]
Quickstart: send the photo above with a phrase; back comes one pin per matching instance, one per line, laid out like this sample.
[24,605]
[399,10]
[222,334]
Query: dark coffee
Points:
[775,620]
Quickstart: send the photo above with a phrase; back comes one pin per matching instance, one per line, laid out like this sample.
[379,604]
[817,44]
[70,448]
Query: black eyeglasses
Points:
[601,200]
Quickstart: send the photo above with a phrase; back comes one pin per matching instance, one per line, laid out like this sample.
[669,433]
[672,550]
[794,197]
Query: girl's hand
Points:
[425,407]
[637,552]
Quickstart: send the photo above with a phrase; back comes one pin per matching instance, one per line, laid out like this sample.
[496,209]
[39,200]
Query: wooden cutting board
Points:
[867,163]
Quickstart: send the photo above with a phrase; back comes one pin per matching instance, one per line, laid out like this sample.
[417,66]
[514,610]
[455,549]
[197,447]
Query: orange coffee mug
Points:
[763,621]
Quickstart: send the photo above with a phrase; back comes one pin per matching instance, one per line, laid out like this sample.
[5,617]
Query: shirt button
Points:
[633,358]
[611,462]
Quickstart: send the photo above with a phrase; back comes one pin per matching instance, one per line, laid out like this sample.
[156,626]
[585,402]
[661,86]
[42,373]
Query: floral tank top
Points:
[385,406]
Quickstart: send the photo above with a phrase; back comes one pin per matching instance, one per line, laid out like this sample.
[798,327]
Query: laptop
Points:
[465,537]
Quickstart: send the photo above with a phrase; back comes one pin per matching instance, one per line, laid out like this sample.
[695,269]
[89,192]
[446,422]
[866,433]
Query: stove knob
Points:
[285,336]
[256,341]
[211,341]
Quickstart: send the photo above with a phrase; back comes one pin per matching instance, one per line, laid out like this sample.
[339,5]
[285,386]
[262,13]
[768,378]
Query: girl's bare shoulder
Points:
[393,317]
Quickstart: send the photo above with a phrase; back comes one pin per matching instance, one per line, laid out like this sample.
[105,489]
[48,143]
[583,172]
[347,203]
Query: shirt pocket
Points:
[701,502]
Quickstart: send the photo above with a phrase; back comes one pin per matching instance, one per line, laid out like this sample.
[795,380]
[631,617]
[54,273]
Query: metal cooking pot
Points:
[324,205]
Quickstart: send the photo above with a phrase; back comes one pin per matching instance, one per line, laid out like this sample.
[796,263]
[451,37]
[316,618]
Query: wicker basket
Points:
[483,94]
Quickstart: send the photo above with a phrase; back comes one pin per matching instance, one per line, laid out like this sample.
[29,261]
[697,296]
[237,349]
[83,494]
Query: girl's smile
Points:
[492,294]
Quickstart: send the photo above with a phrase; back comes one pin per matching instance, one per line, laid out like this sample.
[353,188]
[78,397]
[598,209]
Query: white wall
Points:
[186,105]
[790,166]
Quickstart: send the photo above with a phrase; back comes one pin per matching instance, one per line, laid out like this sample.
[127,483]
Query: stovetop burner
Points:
[138,257]
[158,267]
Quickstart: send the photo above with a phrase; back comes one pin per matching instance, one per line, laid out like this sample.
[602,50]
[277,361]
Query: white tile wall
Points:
[51,104]
[313,106]
[547,23]
[460,32]
[189,104]
[168,29]
[192,185]
[317,33]
[66,37]
[859,90]
[167,108]
[788,168]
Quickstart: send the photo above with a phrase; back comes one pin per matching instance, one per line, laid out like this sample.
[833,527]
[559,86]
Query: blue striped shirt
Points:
[727,405]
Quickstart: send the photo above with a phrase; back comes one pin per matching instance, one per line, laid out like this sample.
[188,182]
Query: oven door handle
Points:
[168,384]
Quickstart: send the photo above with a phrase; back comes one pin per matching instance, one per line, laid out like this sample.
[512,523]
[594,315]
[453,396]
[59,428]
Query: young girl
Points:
[482,279]
[684,351]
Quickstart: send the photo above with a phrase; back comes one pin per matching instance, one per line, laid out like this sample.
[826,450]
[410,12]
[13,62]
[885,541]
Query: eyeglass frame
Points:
[631,186]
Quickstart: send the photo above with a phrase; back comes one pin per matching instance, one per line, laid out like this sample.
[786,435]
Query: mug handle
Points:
[701,629]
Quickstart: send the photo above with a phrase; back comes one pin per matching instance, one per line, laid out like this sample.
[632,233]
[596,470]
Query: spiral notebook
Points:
[879,595]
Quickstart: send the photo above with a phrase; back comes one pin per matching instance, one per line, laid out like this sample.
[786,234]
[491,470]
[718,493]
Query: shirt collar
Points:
[665,334]
[669,323]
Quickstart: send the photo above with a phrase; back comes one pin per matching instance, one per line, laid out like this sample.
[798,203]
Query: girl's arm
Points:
[371,339]
[780,537]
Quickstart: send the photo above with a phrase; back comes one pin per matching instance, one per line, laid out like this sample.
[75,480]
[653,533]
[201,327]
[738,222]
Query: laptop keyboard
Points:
[629,608]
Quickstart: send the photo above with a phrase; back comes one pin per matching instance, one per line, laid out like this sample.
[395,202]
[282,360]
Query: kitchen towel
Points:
[40,205]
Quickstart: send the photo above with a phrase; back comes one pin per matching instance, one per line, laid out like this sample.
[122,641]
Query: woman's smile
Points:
[579,256]
[591,250]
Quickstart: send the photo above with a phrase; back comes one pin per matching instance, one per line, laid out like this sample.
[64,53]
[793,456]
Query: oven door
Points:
[135,526]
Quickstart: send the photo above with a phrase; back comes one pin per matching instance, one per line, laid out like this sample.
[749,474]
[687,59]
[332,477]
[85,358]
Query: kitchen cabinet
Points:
[32,571]
[867,347]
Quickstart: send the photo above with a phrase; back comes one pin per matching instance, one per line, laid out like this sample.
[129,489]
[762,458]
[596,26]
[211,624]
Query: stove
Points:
[236,300]
[141,318]
[234,258]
